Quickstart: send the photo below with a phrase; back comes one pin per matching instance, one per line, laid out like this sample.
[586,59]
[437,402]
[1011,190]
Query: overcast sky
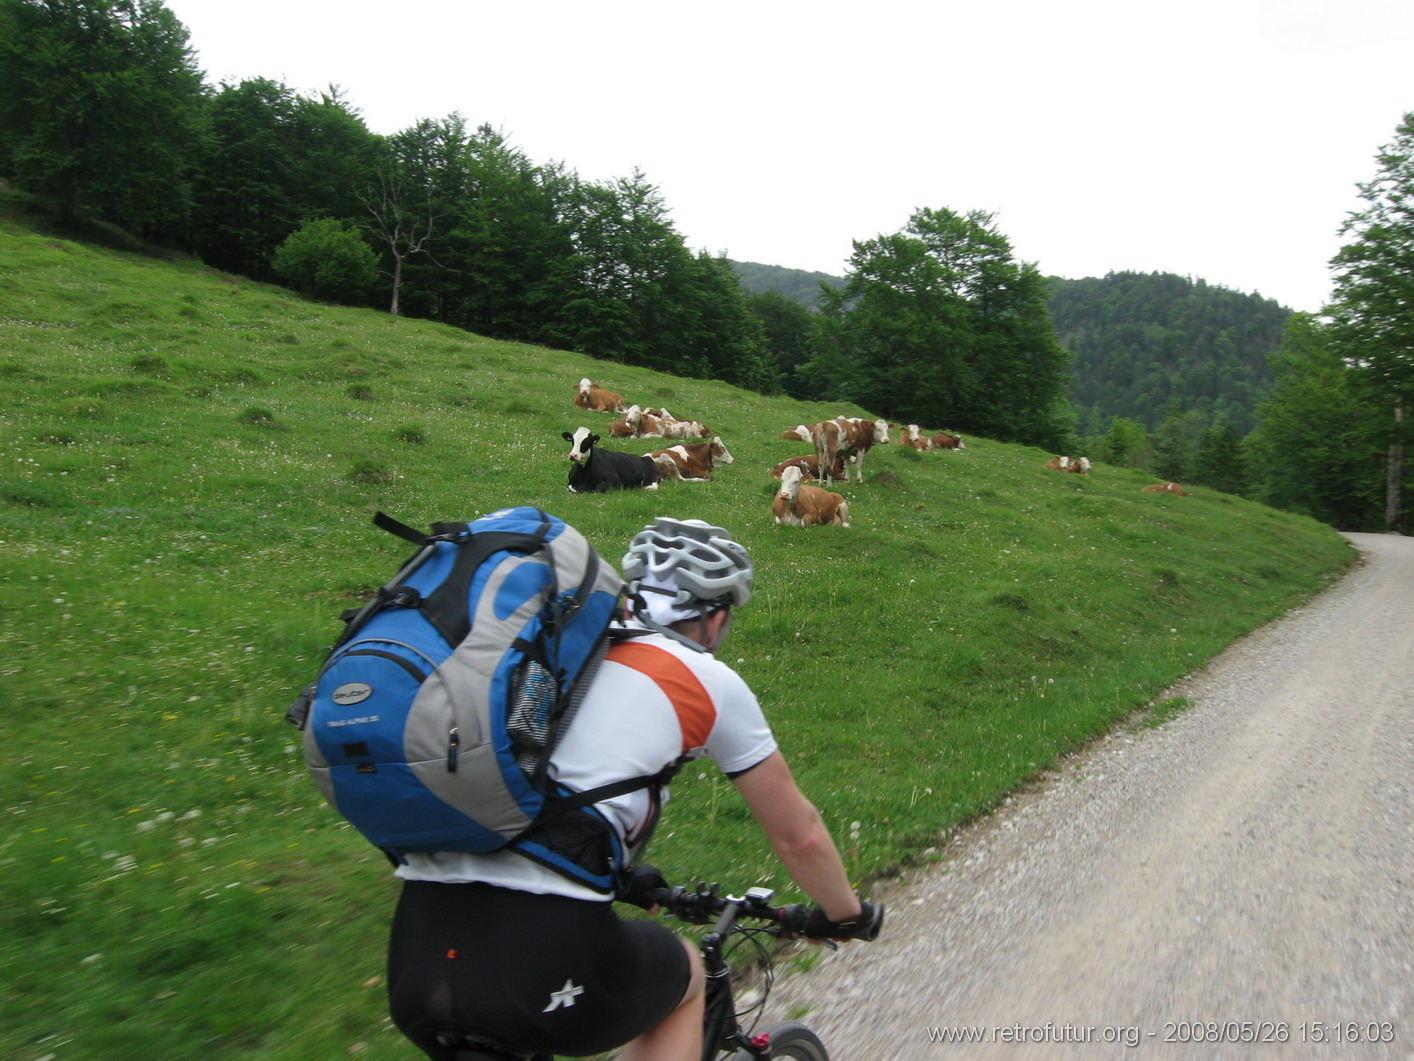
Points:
[1217,139]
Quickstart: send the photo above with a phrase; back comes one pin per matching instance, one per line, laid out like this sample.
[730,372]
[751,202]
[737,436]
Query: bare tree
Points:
[404,218]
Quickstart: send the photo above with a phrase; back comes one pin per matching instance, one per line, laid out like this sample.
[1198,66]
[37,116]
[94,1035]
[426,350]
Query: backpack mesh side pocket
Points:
[529,720]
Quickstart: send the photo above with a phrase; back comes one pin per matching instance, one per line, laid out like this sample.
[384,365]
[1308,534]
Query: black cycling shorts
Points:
[535,972]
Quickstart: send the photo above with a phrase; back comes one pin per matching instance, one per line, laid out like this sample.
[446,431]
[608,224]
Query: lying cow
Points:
[912,437]
[594,470]
[800,433]
[627,426]
[798,504]
[1165,488]
[944,440]
[595,398]
[810,465]
[656,423]
[1071,465]
[686,429]
[692,460]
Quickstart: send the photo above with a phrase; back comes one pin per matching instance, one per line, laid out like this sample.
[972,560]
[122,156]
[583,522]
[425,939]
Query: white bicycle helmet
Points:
[702,563]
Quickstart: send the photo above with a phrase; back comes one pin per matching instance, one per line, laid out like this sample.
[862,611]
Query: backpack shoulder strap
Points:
[689,699]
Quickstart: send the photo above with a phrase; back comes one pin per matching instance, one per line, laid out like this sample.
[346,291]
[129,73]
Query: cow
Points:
[847,436]
[800,433]
[595,398]
[800,505]
[1165,488]
[594,470]
[627,425]
[809,464]
[685,429]
[1071,465]
[655,423]
[692,460]
[945,440]
[913,439]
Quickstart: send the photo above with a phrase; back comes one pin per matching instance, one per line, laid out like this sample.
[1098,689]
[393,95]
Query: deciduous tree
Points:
[325,258]
[1373,307]
[1316,448]
[938,323]
[403,201]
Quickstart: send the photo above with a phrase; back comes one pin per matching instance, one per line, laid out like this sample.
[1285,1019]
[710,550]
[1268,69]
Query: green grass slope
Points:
[188,467]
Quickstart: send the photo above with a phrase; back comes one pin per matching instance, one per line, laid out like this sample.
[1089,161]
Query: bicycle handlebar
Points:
[705,904]
[794,921]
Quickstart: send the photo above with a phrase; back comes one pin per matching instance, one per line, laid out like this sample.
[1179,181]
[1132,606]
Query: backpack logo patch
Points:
[351,693]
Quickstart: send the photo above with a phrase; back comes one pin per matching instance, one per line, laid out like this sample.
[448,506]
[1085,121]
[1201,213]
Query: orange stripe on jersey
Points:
[696,712]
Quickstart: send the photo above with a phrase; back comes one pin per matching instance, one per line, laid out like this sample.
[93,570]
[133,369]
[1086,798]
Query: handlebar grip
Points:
[811,923]
[871,922]
[643,886]
[793,920]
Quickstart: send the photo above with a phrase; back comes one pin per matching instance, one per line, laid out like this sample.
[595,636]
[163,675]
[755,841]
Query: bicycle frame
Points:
[722,1033]
[720,1030]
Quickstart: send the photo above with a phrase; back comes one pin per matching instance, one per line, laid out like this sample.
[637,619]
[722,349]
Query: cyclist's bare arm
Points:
[798,836]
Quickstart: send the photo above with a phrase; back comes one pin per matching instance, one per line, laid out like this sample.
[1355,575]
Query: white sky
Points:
[1217,139]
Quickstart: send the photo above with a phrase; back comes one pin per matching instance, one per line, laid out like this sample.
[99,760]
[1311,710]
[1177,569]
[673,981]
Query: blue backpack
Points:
[432,721]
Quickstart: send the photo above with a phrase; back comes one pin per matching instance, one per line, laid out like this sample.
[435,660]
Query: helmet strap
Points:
[639,609]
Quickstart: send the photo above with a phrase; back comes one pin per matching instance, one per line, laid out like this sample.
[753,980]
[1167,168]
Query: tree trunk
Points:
[397,281]
[1395,472]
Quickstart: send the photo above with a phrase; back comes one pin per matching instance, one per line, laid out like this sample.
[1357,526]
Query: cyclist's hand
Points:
[799,922]
[642,886]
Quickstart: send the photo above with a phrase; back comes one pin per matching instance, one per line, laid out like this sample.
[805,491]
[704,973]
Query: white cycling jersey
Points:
[643,711]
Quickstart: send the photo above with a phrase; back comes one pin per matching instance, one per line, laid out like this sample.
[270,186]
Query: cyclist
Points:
[503,949]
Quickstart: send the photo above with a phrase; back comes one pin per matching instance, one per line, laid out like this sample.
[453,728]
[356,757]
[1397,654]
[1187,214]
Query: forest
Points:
[106,119]
[1145,345]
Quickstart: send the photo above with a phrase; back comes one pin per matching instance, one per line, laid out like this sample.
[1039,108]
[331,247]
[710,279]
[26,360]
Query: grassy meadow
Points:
[189,463]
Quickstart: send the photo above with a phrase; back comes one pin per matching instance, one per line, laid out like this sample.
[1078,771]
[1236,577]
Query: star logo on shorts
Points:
[565,996]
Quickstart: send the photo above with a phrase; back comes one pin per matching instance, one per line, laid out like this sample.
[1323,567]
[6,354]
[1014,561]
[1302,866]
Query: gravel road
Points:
[1243,872]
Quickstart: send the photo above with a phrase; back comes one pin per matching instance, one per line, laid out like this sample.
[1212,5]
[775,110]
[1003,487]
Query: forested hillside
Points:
[1147,345]
[800,285]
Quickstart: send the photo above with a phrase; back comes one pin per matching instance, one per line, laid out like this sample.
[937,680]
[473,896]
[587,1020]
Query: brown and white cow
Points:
[912,437]
[637,423]
[691,460]
[656,423]
[1165,488]
[946,440]
[1071,465]
[675,428]
[798,504]
[800,433]
[595,398]
[809,464]
[627,425]
[845,437]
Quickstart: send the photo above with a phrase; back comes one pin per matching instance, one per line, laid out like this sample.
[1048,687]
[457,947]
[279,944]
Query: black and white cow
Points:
[593,470]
